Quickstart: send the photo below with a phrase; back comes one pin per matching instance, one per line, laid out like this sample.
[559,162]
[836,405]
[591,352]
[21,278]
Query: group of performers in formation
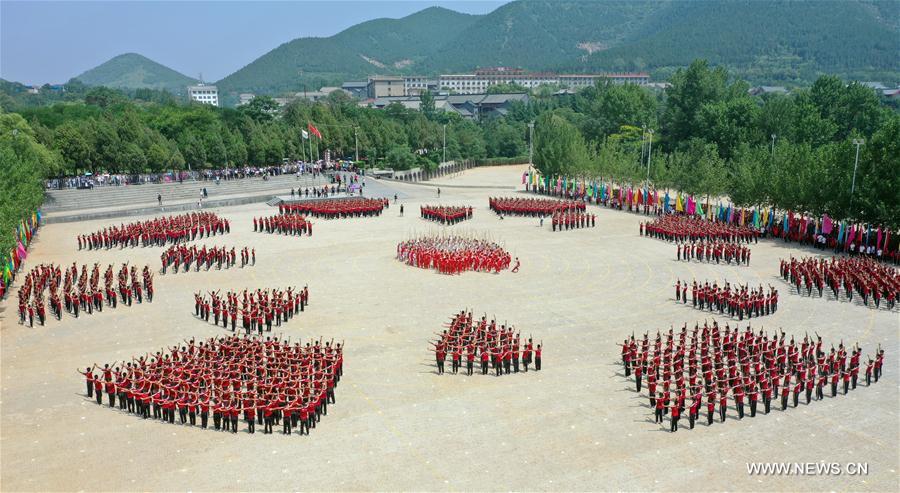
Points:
[80,292]
[156,232]
[862,275]
[334,209]
[572,219]
[532,207]
[684,370]
[445,214]
[454,254]
[500,348]
[737,302]
[257,310]
[271,382]
[221,257]
[714,251]
[285,224]
[688,228]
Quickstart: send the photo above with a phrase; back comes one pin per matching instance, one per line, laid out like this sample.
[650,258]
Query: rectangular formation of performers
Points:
[711,365]
[515,206]
[446,214]
[861,275]
[270,382]
[682,229]
[714,251]
[454,254]
[501,347]
[221,257]
[283,224]
[336,208]
[156,232]
[737,302]
[80,292]
[572,219]
[255,309]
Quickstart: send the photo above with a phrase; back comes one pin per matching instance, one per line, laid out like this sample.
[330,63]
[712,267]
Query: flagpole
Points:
[309,140]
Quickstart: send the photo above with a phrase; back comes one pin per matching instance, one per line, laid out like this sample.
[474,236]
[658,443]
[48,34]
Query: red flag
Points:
[313,130]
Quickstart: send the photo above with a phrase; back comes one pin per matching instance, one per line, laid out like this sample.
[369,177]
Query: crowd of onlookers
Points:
[89,181]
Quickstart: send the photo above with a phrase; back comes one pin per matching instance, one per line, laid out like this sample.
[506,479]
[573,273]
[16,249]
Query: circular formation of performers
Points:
[682,228]
[532,207]
[737,302]
[714,251]
[256,309]
[445,214]
[284,224]
[454,254]
[570,219]
[156,232]
[272,383]
[221,257]
[861,275]
[336,208]
[709,364]
[498,347]
[81,292]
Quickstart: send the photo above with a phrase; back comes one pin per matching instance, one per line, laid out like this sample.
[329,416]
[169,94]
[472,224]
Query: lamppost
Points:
[444,127]
[857,143]
[649,153]
[356,141]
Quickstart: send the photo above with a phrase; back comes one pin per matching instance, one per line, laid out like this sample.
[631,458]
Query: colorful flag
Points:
[313,130]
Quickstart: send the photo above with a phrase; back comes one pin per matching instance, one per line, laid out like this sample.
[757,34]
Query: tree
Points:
[690,90]
[503,139]
[426,104]
[400,157]
[260,109]
[506,88]
[559,148]
[73,146]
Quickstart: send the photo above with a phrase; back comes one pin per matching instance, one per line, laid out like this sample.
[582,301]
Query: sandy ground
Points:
[576,425]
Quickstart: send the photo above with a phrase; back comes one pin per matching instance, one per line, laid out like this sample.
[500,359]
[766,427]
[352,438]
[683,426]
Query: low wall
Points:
[156,210]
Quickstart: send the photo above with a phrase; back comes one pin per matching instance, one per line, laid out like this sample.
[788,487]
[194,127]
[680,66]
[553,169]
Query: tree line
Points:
[108,131]
[710,137]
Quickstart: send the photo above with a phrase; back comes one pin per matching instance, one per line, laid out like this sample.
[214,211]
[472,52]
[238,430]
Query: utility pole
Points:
[444,160]
[356,141]
[857,143]
[531,144]
[649,153]
[643,141]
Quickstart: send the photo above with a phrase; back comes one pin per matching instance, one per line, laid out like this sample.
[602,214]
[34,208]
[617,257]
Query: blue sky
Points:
[53,41]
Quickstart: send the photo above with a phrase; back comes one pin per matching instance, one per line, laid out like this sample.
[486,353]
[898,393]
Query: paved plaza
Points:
[575,425]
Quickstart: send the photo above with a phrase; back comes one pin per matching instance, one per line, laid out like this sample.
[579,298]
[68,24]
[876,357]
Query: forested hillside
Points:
[133,71]
[766,40]
[379,46]
[770,42]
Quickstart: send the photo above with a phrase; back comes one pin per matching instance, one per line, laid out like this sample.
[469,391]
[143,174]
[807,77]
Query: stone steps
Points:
[130,196]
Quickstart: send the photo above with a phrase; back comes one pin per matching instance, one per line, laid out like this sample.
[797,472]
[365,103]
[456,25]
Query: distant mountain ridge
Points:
[376,46]
[134,71]
[764,41]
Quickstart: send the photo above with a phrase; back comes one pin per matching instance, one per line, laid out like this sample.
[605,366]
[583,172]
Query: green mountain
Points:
[542,35]
[380,46]
[764,41]
[133,71]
